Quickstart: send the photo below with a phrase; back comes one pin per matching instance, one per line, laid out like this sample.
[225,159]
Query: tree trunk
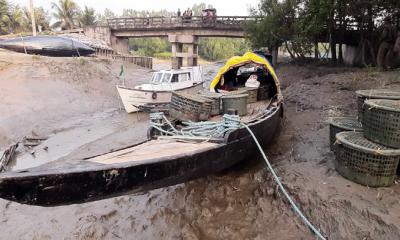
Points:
[289,51]
[316,50]
[32,10]
[340,60]
[332,44]
[275,55]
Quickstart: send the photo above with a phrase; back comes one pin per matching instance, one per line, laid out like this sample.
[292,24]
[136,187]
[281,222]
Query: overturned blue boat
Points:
[47,45]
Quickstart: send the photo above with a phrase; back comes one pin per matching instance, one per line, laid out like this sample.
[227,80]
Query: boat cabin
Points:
[173,79]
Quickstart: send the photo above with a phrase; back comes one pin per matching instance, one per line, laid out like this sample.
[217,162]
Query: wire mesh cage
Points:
[381,121]
[365,162]
[340,124]
[190,107]
[362,95]
[216,102]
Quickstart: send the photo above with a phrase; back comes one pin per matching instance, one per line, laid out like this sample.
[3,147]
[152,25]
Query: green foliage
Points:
[222,48]
[279,23]
[209,48]
[14,19]
[102,18]
[67,13]
[297,24]
[41,18]
[163,55]
[4,16]
[197,8]
[149,46]
[87,17]
[143,13]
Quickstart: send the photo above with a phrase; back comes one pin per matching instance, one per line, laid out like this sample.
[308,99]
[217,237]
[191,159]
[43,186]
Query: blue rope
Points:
[282,188]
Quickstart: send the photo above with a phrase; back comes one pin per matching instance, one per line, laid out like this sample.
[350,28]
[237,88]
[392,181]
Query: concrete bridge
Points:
[182,33]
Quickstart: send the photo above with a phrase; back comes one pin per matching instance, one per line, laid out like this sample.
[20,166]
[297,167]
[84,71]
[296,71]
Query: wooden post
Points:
[32,17]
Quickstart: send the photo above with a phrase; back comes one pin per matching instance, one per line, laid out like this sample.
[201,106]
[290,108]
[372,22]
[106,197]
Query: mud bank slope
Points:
[39,93]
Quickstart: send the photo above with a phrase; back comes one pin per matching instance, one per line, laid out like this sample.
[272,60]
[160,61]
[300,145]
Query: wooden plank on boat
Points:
[152,150]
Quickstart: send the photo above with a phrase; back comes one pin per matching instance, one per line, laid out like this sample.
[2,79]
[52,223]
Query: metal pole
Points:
[32,17]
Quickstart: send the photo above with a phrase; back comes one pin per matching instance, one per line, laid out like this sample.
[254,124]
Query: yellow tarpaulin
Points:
[238,61]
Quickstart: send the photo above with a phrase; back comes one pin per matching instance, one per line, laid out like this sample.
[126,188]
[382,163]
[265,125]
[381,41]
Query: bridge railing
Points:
[176,22]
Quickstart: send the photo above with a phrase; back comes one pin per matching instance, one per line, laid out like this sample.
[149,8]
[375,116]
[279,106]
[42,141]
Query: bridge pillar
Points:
[184,50]
[120,45]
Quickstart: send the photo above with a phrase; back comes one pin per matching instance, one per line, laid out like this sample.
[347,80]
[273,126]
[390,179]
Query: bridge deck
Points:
[156,23]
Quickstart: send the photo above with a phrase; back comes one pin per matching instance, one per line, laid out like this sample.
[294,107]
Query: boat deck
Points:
[154,149]
[167,148]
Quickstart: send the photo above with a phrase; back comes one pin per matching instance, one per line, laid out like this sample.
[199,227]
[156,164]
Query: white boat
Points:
[159,90]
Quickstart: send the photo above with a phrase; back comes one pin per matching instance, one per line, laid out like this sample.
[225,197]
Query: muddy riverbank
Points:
[80,113]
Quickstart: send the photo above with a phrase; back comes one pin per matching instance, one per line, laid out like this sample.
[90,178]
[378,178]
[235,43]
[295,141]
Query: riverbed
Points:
[74,103]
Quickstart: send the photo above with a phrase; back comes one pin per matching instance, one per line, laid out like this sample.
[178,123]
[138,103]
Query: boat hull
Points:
[133,99]
[83,181]
[47,45]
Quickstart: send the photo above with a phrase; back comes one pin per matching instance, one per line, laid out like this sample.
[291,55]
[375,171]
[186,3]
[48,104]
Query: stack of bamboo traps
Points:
[367,149]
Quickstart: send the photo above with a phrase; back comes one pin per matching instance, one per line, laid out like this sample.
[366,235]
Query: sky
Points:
[224,7]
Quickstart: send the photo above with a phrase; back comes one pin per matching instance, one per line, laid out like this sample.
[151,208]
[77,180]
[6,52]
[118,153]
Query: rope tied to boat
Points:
[218,129]
[206,129]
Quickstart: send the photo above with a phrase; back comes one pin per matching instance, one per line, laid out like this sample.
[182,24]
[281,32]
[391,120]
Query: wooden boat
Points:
[154,163]
[159,90]
[47,45]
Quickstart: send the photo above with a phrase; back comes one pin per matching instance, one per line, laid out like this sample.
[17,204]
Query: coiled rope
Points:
[218,129]
[205,129]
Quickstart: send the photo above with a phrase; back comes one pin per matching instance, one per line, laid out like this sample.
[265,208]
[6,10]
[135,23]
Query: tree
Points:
[278,26]
[102,18]
[4,16]
[198,8]
[222,48]
[87,17]
[41,18]
[67,14]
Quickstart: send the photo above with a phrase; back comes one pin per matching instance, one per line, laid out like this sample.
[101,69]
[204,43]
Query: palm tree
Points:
[15,19]
[66,12]
[41,17]
[88,17]
[4,16]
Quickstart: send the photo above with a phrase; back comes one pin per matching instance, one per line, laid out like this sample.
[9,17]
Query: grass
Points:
[163,55]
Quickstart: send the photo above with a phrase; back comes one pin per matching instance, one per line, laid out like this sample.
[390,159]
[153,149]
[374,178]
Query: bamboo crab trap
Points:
[216,102]
[190,107]
[381,121]
[364,161]
[363,95]
[341,124]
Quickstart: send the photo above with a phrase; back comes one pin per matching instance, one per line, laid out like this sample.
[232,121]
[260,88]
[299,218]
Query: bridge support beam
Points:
[184,50]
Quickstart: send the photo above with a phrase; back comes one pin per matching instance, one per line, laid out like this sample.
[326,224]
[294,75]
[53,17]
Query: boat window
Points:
[183,77]
[157,78]
[175,78]
[166,77]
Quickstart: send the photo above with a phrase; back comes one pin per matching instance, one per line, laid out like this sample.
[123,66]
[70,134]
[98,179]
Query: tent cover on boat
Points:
[247,58]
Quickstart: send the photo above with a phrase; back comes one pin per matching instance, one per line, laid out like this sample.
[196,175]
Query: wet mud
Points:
[239,203]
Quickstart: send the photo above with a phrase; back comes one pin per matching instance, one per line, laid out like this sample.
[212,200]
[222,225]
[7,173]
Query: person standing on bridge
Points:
[179,12]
